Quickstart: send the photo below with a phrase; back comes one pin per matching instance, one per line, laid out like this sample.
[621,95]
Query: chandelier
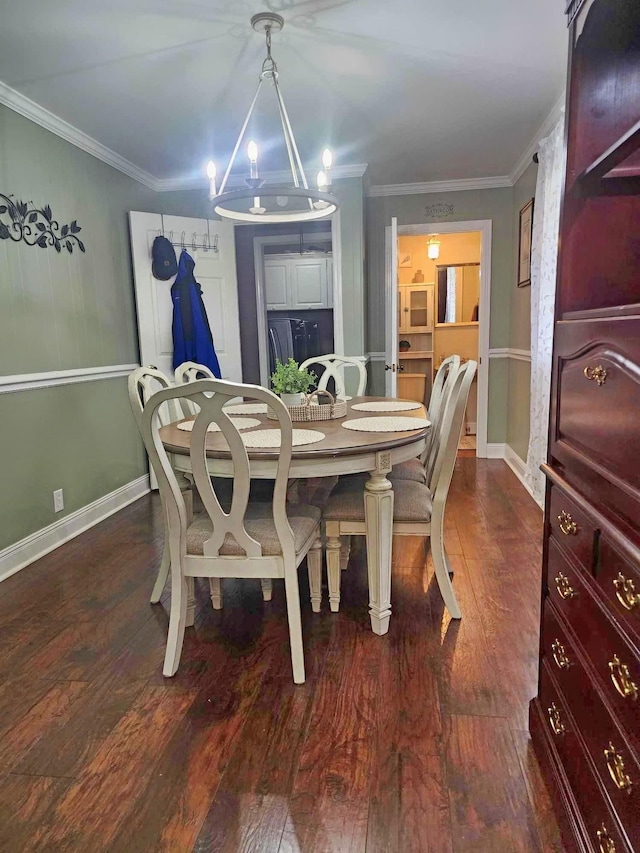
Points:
[433,248]
[256,202]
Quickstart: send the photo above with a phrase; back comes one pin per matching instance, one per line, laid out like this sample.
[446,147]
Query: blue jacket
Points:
[192,338]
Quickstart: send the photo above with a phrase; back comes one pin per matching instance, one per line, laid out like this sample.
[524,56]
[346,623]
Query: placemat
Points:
[271,437]
[246,409]
[386,406]
[239,423]
[386,424]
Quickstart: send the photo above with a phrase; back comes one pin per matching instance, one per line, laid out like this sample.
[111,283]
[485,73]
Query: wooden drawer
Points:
[614,658]
[605,741]
[594,809]
[595,404]
[618,579]
[572,527]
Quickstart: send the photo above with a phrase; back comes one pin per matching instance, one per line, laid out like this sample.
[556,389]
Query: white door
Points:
[216,273]
[391,321]
[309,283]
[276,284]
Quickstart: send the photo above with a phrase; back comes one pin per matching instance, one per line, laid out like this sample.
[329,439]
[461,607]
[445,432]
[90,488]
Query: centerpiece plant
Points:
[290,382]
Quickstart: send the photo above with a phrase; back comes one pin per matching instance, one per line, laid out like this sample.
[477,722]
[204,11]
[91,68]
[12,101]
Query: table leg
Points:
[378,513]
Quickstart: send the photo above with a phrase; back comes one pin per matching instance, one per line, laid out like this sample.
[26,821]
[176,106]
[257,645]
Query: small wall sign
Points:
[439,210]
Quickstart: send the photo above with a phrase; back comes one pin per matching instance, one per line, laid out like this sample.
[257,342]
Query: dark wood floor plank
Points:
[490,809]
[330,801]
[107,791]
[47,715]
[25,803]
[174,803]
[539,797]
[250,807]
[72,745]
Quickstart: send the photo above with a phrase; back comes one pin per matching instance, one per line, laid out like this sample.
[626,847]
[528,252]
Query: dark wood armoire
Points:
[585,721]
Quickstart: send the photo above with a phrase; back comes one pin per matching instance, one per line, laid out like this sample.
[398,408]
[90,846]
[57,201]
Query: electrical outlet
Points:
[58,500]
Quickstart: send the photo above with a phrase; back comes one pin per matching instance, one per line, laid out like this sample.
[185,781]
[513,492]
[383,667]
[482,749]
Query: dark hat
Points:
[164,265]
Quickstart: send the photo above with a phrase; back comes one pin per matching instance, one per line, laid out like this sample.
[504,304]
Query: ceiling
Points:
[421,90]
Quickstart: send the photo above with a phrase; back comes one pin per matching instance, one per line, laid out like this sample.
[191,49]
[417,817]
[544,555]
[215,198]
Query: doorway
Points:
[298,293]
[441,295]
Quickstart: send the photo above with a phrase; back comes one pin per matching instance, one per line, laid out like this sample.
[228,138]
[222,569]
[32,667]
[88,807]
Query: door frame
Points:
[259,244]
[485,227]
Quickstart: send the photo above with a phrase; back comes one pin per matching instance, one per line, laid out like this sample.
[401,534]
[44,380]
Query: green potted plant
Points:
[291,383]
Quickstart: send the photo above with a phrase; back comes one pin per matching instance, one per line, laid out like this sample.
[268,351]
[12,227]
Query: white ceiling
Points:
[422,90]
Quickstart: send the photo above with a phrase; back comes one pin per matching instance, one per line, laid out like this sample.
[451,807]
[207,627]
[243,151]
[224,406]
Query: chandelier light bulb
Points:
[327,158]
[252,152]
[211,174]
[321,180]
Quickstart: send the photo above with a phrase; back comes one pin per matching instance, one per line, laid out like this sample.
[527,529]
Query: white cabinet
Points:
[276,284]
[298,283]
[415,308]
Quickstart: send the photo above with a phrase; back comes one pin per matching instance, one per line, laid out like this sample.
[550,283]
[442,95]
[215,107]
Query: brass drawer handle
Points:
[565,590]
[597,374]
[621,678]
[626,592]
[555,720]
[560,655]
[605,843]
[567,524]
[615,766]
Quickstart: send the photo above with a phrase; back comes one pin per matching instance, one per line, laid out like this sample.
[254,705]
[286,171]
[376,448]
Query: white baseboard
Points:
[37,544]
[495,451]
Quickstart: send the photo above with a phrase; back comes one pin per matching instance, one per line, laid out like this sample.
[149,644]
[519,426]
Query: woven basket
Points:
[310,411]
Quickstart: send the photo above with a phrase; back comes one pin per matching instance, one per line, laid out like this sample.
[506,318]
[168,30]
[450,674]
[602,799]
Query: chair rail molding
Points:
[510,352]
[50,378]
[36,545]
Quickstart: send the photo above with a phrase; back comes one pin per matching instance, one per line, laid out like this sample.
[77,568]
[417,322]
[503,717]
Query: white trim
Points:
[509,352]
[19,103]
[37,544]
[377,356]
[544,130]
[200,182]
[498,182]
[485,226]
[29,381]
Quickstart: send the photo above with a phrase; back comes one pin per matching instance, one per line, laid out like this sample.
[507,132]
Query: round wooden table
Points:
[342,451]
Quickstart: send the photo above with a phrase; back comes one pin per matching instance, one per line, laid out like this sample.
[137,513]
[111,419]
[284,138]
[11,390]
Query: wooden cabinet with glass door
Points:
[415,328]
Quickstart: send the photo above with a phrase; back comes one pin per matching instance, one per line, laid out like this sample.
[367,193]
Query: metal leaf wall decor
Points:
[35,226]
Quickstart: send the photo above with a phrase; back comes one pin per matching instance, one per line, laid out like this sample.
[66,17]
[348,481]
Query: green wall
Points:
[519,377]
[64,311]
[494,204]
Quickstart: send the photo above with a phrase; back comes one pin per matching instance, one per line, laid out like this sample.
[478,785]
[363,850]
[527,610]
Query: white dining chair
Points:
[251,540]
[190,371]
[333,368]
[418,507]
[142,384]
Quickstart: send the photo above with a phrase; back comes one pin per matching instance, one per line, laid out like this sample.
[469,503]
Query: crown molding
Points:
[498,182]
[19,103]
[544,130]
[199,182]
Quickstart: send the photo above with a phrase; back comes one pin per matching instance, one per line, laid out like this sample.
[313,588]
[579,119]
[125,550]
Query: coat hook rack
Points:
[205,244]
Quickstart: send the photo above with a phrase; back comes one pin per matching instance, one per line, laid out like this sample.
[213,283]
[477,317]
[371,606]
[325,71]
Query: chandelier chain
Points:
[269,66]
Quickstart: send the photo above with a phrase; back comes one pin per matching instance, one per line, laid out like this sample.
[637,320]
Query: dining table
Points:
[342,451]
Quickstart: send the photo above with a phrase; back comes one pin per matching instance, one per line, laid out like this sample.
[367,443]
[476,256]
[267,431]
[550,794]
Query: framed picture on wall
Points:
[404,259]
[524,245]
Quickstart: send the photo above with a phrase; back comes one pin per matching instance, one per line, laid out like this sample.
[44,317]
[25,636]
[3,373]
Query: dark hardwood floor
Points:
[416,741]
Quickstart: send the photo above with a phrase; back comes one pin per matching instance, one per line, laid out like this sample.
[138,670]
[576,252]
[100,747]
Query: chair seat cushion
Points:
[411,470]
[304,521]
[412,503]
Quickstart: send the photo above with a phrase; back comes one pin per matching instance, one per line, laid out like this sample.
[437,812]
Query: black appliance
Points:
[291,337]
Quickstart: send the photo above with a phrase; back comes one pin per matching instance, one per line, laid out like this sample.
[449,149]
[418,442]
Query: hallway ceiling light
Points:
[258,203]
[433,248]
